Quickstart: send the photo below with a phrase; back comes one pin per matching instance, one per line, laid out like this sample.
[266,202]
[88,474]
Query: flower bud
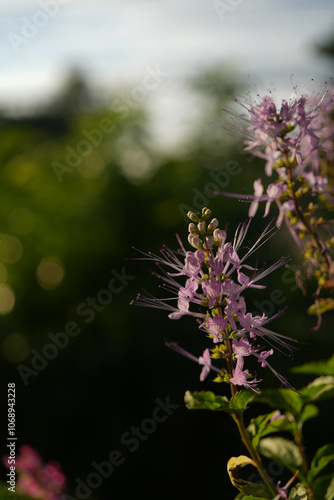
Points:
[219,234]
[201,227]
[192,216]
[200,255]
[206,212]
[192,228]
[213,225]
[194,240]
[209,241]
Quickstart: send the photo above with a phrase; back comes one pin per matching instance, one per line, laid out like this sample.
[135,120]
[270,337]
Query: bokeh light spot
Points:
[7,299]
[92,166]
[137,164]
[15,348]
[11,249]
[50,273]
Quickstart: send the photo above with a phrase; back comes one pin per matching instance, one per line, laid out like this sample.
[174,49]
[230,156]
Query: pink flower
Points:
[242,348]
[212,289]
[276,416]
[192,264]
[205,360]
[274,192]
[215,326]
[258,190]
[287,206]
[241,378]
[282,491]
[37,479]
[263,356]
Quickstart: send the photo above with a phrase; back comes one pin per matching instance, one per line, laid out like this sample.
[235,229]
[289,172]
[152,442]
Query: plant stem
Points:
[254,454]
[299,442]
[237,417]
[230,364]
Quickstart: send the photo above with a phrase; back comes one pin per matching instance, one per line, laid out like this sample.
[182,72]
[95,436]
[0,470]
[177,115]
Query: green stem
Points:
[230,364]
[254,454]
[299,442]
[243,431]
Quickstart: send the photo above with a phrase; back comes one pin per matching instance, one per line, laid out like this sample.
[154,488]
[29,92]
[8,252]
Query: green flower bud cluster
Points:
[203,235]
[200,216]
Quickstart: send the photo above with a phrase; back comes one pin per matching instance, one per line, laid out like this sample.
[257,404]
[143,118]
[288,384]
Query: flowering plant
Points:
[211,283]
[296,141]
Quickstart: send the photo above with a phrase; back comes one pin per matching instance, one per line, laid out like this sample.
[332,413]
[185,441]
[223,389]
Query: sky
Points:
[117,43]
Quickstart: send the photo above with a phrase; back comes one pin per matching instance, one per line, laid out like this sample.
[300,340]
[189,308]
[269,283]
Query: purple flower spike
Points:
[293,138]
[215,278]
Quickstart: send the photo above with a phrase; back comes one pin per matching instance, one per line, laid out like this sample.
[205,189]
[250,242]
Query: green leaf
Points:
[323,457]
[321,388]
[283,450]
[261,426]
[324,305]
[290,401]
[283,399]
[327,449]
[309,411]
[330,491]
[298,493]
[207,400]
[241,399]
[323,462]
[233,468]
[323,485]
[257,426]
[321,367]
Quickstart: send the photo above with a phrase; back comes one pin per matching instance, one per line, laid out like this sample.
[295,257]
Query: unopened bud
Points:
[192,216]
[206,212]
[209,241]
[219,234]
[213,225]
[194,240]
[192,228]
[201,227]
